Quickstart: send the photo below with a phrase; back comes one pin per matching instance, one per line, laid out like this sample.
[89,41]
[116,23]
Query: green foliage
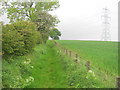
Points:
[103,57]
[26,10]
[44,23]
[101,54]
[19,38]
[39,64]
[54,34]
[39,69]
[17,73]
[77,77]
[33,11]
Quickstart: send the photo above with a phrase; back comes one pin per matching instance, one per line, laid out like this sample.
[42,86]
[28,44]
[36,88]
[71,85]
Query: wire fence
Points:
[76,57]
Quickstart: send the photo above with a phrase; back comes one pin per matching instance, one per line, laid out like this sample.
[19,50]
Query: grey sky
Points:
[81,19]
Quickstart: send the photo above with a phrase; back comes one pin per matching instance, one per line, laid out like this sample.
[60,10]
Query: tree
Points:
[33,11]
[26,10]
[55,33]
[45,22]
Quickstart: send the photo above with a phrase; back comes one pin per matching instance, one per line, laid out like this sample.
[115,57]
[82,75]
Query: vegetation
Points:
[54,34]
[38,69]
[101,54]
[27,10]
[16,73]
[19,38]
[45,23]
[30,60]
[37,12]
[30,24]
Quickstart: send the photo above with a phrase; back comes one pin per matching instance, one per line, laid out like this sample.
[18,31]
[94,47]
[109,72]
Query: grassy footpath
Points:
[48,71]
[42,68]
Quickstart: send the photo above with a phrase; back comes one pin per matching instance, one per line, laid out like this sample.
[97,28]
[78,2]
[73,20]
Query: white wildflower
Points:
[32,66]
[24,62]
[90,71]
[28,61]
[27,80]
[10,86]
[31,78]
[17,78]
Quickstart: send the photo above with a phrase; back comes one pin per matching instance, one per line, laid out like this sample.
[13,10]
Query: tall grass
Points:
[101,54]
[49,68]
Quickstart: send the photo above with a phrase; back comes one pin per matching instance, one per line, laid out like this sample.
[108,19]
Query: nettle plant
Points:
[19,37]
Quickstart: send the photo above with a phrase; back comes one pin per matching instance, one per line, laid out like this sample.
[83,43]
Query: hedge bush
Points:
[19,38]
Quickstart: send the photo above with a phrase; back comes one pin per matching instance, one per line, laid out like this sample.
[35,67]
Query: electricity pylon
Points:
[106,25]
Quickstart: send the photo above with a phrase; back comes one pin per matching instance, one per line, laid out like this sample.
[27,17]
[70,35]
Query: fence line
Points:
[69,53]
[118,83]
[77,59]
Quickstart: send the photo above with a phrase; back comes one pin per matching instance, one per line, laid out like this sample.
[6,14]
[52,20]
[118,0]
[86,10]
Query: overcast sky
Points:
[81,19]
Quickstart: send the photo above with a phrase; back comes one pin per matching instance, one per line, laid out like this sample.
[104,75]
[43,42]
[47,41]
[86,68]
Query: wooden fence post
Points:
[55,43]
[76,58]
[88,65]
[66,51]
[118,83]
[70,53]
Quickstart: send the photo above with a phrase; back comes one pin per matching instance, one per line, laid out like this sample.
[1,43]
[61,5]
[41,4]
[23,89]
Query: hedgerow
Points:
[19,38]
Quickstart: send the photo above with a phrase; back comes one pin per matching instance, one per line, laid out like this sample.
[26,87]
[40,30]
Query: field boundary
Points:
[77,58]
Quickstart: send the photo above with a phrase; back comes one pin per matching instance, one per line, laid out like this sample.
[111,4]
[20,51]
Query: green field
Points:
[101,54]
[50,68]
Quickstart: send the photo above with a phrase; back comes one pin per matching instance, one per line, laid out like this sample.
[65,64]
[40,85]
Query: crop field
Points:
[102,54]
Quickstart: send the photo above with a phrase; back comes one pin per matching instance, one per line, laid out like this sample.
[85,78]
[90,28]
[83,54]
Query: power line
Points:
[106,25]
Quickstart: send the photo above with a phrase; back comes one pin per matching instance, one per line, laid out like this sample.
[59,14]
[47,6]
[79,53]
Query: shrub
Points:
[19,38]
